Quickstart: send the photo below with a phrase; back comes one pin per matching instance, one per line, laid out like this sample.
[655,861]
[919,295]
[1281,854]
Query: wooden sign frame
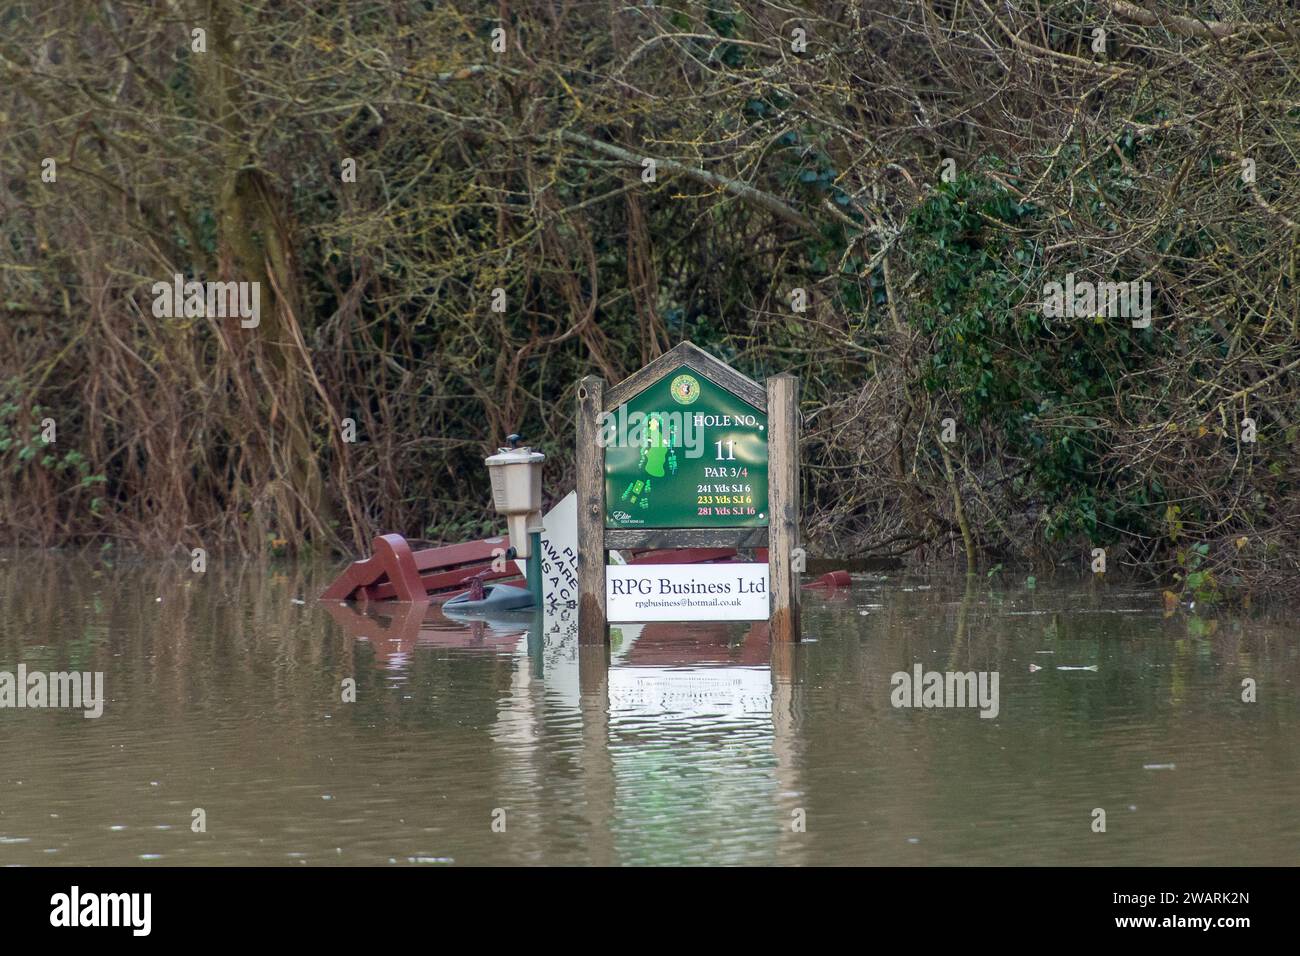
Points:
[779,400]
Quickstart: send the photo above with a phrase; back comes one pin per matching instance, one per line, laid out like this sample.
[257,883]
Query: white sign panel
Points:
[559,554]
[686,592]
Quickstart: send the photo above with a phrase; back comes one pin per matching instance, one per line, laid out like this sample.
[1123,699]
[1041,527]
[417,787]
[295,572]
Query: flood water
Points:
[494,744]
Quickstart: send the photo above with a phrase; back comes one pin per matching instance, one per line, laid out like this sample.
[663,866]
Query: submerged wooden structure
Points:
[396,572]
[775,536]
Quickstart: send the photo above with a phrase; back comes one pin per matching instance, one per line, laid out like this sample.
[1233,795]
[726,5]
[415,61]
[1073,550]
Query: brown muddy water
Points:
[224,693]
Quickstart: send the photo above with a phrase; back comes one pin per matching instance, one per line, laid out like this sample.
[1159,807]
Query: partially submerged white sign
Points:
[686,592]
[559,553]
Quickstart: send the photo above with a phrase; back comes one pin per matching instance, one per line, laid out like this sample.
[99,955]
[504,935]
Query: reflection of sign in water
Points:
[677,592]
[689,747]
[690,692]
[685,453]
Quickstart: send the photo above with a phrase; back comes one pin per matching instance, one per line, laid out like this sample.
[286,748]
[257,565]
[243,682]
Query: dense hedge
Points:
[631,175]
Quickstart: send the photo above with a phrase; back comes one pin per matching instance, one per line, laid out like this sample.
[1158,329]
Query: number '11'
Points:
[731,452]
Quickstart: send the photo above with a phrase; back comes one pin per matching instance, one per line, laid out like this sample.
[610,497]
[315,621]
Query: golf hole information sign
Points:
[687,453]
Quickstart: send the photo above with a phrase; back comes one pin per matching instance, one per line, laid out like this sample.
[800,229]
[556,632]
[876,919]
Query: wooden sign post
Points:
[688,453]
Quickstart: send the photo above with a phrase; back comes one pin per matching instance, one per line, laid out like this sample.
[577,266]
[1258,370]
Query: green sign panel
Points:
[685,453]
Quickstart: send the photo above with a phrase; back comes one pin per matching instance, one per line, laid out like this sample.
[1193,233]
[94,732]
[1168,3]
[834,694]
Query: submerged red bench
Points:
[395,572]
